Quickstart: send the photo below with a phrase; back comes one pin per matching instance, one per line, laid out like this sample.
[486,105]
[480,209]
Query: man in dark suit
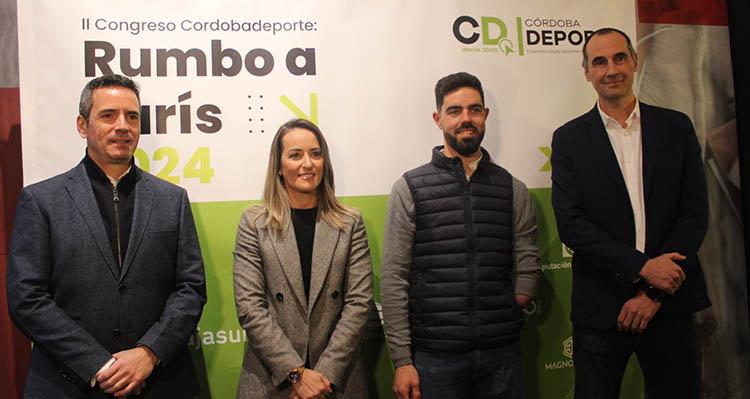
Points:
[629,195]
[105,273]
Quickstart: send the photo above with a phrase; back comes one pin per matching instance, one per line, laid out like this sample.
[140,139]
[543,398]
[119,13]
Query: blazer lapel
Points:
[324,244]
[603,147]
[285,246]
[144,198]
[79,188]
[649,144]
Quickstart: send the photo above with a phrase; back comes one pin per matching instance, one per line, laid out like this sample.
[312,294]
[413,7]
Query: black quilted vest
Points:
[461,295]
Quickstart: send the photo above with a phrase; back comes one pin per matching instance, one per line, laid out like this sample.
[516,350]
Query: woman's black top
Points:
[304,230]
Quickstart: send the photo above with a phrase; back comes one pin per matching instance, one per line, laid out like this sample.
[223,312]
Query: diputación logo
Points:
[492,35]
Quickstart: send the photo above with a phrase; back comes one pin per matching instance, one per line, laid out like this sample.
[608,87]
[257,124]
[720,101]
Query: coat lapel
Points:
[603,147]
[324,244]
[649,145]
[79,188]
[285,246]
[144,198]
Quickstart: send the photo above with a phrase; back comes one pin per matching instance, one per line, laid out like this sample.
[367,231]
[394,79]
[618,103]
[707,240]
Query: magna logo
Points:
[564,363]
[568,348]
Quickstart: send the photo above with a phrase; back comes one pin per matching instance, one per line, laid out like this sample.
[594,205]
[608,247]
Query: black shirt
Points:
[104,193]
[304,231]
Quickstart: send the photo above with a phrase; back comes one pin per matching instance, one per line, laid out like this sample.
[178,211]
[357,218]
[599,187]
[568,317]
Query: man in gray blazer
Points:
[105,274]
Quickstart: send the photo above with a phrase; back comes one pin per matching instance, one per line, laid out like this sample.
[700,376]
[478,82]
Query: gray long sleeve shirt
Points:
[398,239]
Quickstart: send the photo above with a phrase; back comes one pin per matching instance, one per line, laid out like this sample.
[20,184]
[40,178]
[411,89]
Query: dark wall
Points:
[739,12]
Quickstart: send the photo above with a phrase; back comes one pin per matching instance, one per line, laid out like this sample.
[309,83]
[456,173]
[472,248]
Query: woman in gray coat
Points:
[302,278]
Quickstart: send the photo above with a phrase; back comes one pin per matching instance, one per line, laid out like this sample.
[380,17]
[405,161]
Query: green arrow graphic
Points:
[547,151]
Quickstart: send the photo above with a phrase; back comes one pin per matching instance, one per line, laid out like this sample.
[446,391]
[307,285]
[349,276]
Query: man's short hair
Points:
[604,31]
[453,82]
[87,94]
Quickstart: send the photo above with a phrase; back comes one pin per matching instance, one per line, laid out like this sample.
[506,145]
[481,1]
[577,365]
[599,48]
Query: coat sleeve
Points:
[344,341]
[577,230]
[183,309]
[264,334]
[31,301]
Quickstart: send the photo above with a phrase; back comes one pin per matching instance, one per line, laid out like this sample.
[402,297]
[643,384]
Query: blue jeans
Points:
[479,374]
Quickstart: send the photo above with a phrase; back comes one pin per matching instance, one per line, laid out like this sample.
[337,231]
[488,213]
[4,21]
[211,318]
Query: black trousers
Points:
[666,351]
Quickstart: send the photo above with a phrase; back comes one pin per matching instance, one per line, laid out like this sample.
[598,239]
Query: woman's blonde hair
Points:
[276,205]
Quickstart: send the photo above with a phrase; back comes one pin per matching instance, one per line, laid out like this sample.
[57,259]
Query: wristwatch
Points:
[654,293]
[295,375]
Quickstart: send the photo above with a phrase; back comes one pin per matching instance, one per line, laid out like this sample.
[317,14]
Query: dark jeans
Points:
[479,374]
[666,351]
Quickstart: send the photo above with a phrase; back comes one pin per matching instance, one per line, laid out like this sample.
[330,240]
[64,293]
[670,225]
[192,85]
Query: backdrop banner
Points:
[687,66]
[219,77]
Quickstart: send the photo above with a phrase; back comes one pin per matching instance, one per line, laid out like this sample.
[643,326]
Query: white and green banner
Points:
[219,77]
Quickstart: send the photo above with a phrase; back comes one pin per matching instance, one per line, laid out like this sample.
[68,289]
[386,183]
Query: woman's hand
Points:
[312,385]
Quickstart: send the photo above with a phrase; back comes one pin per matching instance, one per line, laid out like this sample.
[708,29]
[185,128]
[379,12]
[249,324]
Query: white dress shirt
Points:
[626,142]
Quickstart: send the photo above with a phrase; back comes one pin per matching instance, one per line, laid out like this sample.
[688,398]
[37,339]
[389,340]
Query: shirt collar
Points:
[117,180]
[610,122]
[94,171]
[473,164]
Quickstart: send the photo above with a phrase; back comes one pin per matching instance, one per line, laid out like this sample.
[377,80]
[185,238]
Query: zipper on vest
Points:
[116,201]
[471,263]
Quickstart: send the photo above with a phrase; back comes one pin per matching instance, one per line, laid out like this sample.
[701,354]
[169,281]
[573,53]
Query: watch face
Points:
[294,376]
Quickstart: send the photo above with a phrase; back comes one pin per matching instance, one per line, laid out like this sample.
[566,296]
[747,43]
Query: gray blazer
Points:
[66,294]
[283,328]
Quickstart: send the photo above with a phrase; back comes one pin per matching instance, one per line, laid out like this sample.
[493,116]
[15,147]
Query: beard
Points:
[467,146]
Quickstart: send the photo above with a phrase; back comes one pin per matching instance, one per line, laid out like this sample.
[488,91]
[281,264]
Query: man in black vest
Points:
[459,261]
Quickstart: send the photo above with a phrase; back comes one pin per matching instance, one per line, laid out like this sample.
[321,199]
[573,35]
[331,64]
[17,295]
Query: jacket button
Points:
[123,289]
[280,297]
[335,294]
[116,333]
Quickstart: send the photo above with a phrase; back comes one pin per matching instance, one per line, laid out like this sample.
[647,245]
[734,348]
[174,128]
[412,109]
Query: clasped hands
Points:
[660,272]
[127,375]
[663,273]
[312,385]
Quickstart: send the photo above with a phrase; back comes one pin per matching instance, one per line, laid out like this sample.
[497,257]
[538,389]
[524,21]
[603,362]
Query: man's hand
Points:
[663,273]
[406,382]
[522,300]
[312,385]
[129,371]
[636,313]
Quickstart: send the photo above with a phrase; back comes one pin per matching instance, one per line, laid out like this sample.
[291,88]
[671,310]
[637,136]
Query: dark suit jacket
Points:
[595,218]
[66,294]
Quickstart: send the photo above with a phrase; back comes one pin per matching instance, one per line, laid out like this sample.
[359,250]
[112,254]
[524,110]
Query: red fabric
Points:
[16,349]
[683,12]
